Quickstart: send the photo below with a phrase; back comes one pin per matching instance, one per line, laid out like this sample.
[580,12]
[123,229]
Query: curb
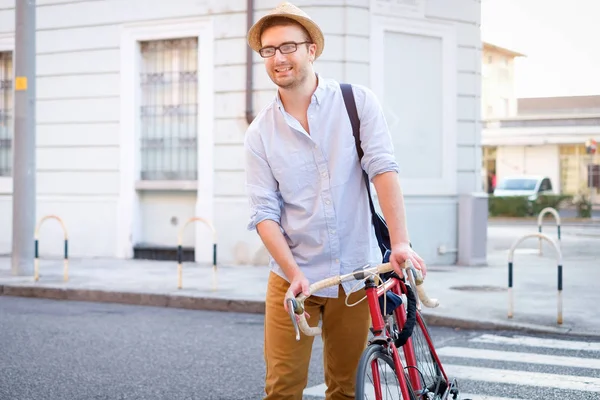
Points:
[468,324]
[139,299]
[252,307]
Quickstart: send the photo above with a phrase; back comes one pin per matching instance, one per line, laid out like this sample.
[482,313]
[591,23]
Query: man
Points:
[310,207]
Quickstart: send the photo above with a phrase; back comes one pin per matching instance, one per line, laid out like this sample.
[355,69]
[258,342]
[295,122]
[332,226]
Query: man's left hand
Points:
[403,252]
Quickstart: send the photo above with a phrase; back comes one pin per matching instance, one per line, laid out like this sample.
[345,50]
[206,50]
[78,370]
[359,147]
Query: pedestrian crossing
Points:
[516,367]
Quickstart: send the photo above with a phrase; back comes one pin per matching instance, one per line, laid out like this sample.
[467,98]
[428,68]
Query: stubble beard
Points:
[295,82]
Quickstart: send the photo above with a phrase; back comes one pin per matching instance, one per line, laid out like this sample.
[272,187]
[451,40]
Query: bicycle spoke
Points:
[377,379]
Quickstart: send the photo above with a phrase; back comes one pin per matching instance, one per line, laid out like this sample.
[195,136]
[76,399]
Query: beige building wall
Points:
[88,145]
[529,160]
[498,82]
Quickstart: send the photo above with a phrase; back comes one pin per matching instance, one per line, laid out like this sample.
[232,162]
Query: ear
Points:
[312,51]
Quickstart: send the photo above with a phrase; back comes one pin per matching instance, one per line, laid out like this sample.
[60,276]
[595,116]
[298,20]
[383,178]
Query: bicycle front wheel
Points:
[376,377]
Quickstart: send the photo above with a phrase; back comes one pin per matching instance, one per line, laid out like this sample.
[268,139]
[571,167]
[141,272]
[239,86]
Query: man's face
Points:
[288,70]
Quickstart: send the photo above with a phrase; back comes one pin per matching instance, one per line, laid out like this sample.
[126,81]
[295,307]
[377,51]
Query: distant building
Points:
[142,111]
[547,137]
[534,136]
[497,84]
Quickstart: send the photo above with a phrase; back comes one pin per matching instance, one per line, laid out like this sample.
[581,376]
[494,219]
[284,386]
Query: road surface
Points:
[75,350]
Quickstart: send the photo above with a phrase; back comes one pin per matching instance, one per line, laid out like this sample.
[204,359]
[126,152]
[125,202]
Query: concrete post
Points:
[24,165]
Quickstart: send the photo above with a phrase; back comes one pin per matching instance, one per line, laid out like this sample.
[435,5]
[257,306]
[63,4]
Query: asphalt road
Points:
[71,350]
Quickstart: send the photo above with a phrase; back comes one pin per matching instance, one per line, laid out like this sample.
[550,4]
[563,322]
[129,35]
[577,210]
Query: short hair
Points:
[284,21]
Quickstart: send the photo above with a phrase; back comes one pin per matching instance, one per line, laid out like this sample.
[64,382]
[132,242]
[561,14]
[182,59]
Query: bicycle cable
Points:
[361,282]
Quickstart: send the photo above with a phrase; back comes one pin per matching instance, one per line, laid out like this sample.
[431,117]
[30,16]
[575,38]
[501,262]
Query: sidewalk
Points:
[470,297]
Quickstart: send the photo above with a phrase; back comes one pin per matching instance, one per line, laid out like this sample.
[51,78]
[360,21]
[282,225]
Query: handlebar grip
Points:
[306,329]
[417,278]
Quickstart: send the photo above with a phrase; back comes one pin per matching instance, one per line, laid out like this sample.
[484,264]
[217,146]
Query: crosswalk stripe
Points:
[319,391]
[537,342]
[514,377]
[473,396]
[510,356]
[316,391]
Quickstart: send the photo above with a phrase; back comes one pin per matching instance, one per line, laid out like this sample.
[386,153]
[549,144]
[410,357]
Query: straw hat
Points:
[288,10]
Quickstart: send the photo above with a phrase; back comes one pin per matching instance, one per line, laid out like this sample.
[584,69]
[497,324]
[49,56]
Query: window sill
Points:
[167,185]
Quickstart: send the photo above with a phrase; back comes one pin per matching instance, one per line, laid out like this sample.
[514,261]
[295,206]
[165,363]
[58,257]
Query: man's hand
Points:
[298,285]
[403,252]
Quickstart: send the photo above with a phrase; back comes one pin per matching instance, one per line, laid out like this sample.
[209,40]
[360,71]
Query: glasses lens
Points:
[288,48]
[267,51]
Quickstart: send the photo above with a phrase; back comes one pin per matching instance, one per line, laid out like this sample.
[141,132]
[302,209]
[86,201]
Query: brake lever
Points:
[291,306]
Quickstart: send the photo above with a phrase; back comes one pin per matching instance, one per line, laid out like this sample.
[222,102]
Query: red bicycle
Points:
[385,372]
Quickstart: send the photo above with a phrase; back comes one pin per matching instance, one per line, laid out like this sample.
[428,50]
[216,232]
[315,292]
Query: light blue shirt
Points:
[312,185]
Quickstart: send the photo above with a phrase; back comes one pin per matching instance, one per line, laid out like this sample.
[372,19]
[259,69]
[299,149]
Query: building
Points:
[534,136]
[547,137]
[142,108]
[498,97]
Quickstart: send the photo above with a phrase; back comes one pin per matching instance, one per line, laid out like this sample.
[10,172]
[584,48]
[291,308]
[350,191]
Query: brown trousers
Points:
[344,332]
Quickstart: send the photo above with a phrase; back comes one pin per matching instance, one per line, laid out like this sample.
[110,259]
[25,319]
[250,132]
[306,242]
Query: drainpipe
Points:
[249,21]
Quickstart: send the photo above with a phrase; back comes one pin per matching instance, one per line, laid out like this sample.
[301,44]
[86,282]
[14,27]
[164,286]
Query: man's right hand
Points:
[299,284]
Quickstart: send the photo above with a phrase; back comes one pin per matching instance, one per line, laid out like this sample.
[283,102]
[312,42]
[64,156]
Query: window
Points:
[545,185]
[169,109]
[6,112]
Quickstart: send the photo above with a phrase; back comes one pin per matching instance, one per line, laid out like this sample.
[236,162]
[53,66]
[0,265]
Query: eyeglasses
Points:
[285,48]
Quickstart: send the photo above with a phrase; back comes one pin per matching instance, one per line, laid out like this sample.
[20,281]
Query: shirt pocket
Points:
[296,173]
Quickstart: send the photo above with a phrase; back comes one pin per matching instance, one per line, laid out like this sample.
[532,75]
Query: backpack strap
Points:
[355,121]
[381,230]
[353,114]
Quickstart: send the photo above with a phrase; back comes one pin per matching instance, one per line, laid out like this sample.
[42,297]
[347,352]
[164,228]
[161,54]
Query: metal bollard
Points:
[36,262]
[180,251]
[540,219]
[541,236]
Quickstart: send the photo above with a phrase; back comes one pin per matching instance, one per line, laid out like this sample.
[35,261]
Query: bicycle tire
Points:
[371,353]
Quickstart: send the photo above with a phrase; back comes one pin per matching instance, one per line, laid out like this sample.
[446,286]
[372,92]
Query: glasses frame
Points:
[275,48]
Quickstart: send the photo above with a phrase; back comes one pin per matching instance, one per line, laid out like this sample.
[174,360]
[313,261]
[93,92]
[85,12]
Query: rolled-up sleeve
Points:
[261,186]
[376,140]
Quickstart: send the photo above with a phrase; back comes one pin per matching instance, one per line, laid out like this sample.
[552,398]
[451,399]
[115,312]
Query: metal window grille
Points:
[6,112]
[168,109]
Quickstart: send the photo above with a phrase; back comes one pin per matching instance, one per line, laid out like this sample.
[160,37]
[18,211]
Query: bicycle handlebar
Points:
[296,304]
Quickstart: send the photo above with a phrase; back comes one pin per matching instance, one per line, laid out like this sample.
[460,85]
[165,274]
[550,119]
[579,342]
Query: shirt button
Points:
[332,231]
[323,174]
[327,202]
[337,260]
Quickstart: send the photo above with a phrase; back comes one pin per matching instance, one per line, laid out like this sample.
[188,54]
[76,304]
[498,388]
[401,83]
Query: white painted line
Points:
[316,391]
[515,377]
[538,342]
[512,356]
[473,396]
[319,391]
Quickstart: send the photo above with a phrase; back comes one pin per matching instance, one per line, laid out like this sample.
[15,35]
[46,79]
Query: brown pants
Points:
[344,332]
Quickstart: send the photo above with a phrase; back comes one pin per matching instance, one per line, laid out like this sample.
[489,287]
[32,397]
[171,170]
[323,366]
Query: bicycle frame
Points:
[373,293]
[395,284]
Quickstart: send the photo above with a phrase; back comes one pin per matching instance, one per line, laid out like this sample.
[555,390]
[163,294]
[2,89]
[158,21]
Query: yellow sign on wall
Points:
[21,83]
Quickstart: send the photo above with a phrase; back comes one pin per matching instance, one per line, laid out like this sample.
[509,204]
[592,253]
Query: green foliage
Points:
[554,201]
[583,206]
[512,206]
[521,206]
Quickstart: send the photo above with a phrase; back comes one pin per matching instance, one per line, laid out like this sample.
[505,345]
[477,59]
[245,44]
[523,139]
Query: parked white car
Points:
[524,185]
